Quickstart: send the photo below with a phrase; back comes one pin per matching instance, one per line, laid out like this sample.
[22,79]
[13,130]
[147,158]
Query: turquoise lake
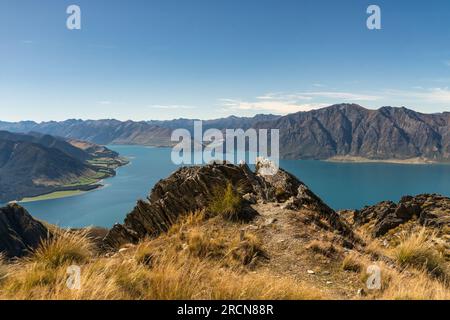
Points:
[341,185]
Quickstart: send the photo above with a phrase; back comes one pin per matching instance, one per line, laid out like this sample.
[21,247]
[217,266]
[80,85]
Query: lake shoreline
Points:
[351,159]
[66,192]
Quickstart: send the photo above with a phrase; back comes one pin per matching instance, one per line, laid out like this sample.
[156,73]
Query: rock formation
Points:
[191,188]
[19,232]
[430,210]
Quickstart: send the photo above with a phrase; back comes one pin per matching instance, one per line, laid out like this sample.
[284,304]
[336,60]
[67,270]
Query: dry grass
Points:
[416,286]
[203,259]
[208,268]
[64,248]
[419,250]
[246,251]
[324,248]
[352,262]
[3,268]
[203,245]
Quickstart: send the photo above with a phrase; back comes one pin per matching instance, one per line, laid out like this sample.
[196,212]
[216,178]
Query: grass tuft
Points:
[352,263]
[418,250]
[64,249]
[226,203]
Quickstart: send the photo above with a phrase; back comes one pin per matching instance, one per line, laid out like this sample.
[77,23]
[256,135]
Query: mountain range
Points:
[342,131]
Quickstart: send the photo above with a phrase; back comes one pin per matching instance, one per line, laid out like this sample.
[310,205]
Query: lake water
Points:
[341,185]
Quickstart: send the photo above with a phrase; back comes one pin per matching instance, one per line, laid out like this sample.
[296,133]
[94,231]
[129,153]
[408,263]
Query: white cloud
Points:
[104,102]
[279,107]
[341,95]
[439,95]
[284,103]
[430,95]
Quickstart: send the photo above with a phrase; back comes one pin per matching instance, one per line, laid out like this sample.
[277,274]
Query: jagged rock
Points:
[429,209]
[190,189]
[250,198]
[19,232]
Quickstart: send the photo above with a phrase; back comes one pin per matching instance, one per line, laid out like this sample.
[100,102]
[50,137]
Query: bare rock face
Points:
[430,210]
[19,232]
[191,188]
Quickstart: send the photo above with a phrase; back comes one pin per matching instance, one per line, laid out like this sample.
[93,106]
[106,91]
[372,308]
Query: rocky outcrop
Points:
[429,210]
[19,232]
[191,188]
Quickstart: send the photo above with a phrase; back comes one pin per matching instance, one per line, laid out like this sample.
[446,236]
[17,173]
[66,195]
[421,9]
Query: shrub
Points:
[227,203]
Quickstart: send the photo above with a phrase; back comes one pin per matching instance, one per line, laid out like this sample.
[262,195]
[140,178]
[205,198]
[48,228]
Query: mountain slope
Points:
[32,165]
[353,131]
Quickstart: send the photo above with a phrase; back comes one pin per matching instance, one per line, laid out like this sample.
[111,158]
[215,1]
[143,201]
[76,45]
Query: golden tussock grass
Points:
[205,259]
[213,268]
[352,262]
[419,250]
[324,248]
[414,286]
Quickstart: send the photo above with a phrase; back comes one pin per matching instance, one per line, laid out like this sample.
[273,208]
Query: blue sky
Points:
[163,59]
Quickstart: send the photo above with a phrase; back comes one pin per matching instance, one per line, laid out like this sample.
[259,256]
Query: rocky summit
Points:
[191,189]
[19,232]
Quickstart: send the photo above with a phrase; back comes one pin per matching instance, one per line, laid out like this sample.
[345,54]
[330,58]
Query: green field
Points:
[53,195]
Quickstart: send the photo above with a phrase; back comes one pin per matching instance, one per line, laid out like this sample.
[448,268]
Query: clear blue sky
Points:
[162,59]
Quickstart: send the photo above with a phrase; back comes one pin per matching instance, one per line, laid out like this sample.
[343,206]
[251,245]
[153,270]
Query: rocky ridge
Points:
[427,210]
[191,189]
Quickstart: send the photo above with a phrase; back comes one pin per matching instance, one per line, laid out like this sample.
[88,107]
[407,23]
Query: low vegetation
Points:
[227,203]
[204,257]
[208,268]
[419,250]
[352,262]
